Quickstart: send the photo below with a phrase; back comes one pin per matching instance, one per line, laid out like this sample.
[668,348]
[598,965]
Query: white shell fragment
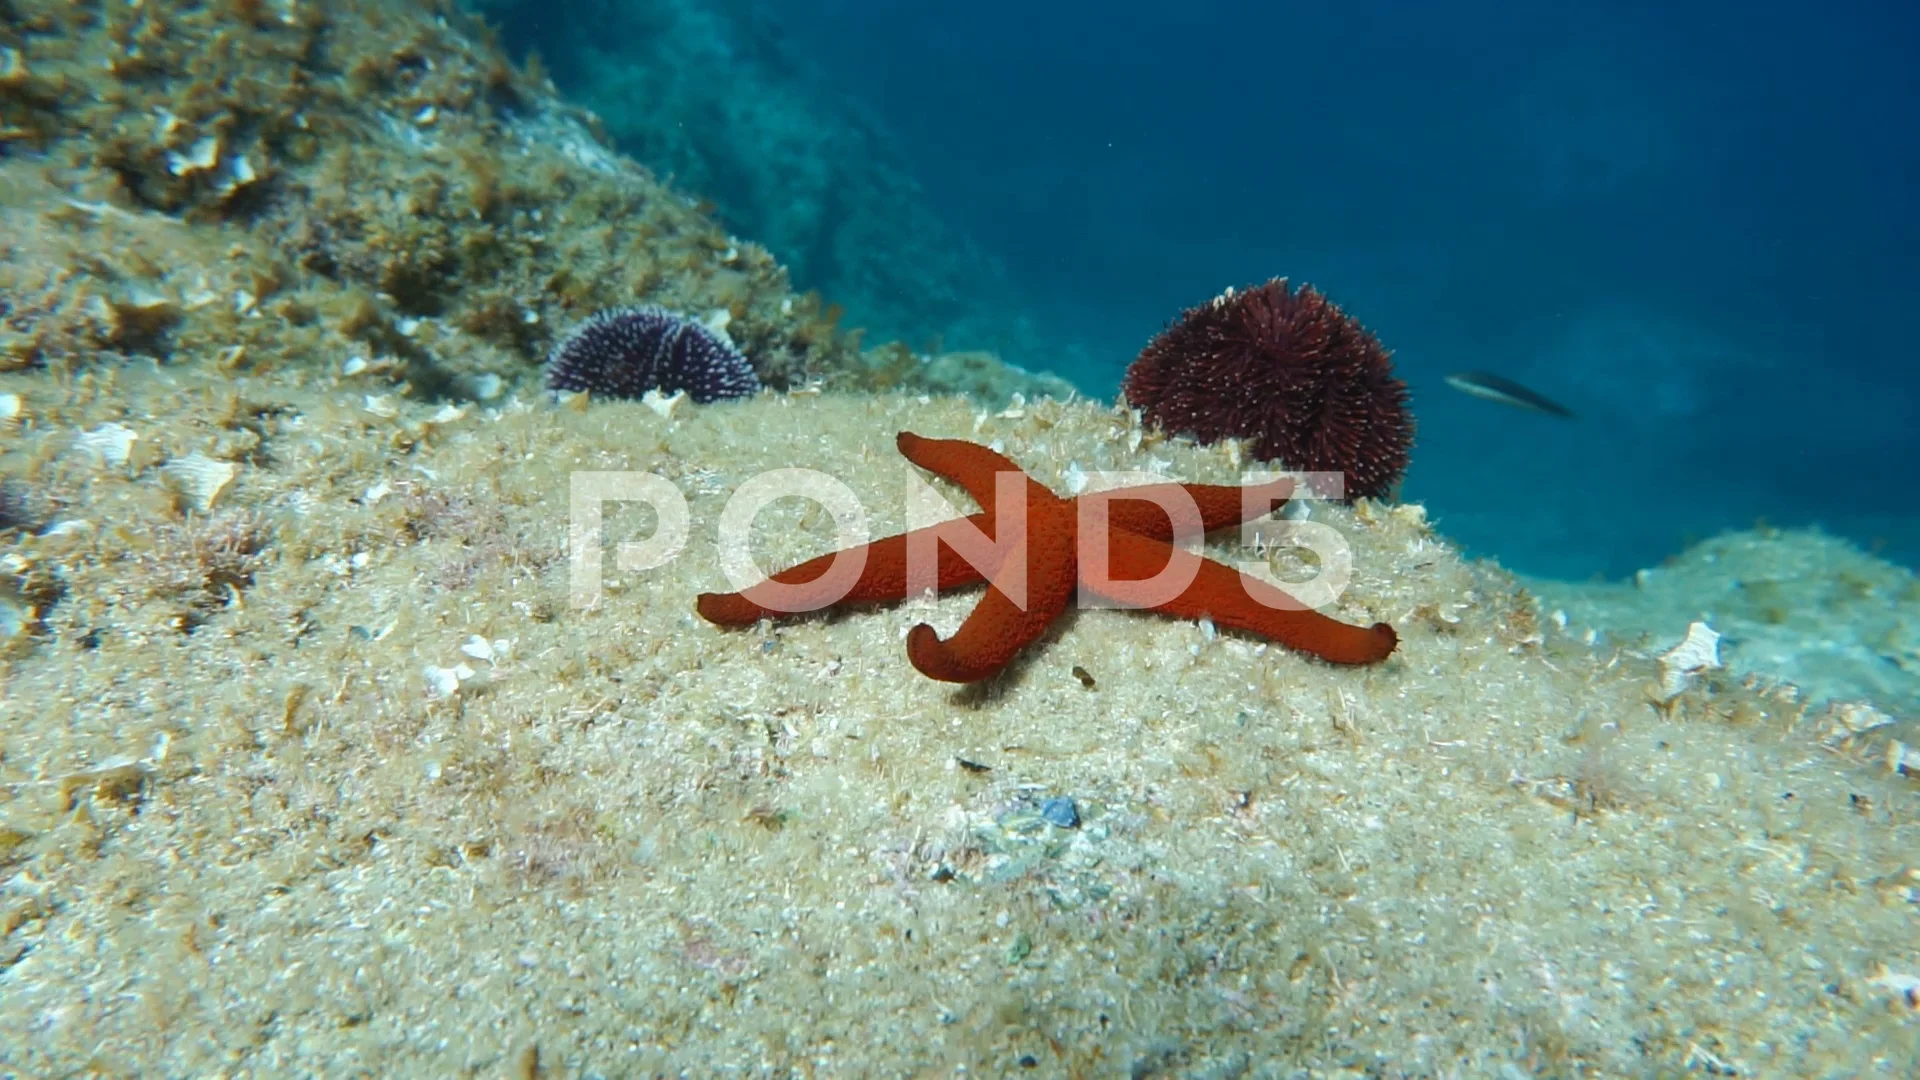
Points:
[109,444]
[1699,652]
[1847,719]
[240,173]
[445,682]
[199,478]
[481,649]
[1412,515]
[1903,759]
[199,157]
[661,403]
[15,614]
[1902,986]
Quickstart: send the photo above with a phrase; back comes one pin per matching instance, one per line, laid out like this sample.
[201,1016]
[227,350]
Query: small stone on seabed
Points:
[1060,811]
[1903,759]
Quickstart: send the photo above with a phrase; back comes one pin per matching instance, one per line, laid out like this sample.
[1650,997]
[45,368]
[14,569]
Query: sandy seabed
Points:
[319,772]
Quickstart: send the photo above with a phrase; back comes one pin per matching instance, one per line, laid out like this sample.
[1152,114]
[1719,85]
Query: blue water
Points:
[1692,223]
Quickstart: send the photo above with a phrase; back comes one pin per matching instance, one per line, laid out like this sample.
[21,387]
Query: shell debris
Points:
[494,651]
[110,444]
[1700,652]
[445,682]
[1902,759]
[1846,720]
[199,479]
[663,404]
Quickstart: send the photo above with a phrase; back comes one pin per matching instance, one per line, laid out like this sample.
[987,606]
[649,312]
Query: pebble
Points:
[1060,811]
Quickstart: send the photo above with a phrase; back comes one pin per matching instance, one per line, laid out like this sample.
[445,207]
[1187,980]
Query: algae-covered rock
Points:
[297,184]
[361,688]
[317,757]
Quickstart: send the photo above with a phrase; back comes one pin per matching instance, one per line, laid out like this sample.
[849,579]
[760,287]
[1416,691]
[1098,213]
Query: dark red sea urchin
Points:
[1289,371]
[625,352]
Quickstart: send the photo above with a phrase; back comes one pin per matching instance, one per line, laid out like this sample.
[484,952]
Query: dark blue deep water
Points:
[1692,223]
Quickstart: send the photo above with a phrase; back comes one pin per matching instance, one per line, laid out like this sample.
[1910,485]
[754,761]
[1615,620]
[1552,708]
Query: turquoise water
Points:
[1692,225]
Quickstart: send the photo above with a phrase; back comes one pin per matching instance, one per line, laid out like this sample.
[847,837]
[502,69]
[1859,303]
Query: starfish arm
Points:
[1139,509]
[1222,505]
[967,464]
[999,627]
[883,577]
[1034,572]
[1239,602]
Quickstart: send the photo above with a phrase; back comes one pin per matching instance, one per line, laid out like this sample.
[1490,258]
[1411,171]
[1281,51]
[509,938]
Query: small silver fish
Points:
[1491,387]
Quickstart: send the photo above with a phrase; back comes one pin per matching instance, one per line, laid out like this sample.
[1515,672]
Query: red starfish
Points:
[1035,555]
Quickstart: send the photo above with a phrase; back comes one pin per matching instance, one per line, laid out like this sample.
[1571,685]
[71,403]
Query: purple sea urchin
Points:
[625,352]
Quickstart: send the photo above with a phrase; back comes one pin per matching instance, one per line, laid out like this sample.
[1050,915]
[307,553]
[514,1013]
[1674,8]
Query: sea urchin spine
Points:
[625,352]
[1301,380]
